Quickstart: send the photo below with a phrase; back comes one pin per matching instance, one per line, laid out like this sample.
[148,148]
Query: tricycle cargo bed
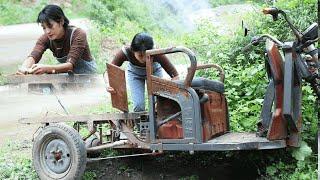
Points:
[228,141]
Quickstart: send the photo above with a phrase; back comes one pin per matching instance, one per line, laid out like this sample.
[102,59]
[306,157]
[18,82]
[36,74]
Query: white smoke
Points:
[176,15]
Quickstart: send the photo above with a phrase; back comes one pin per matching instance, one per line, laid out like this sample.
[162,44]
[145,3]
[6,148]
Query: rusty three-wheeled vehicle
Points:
[184,115]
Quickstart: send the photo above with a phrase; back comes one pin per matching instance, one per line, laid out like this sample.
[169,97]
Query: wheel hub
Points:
[57,156]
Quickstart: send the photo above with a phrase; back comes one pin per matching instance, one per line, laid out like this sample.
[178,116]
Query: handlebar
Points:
[275,11]
[192,58]
[257,39]
[305,40]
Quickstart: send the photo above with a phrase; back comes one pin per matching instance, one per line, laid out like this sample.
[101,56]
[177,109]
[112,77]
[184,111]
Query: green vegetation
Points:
[26,11]
[15,161]
[246,84]
[215,3]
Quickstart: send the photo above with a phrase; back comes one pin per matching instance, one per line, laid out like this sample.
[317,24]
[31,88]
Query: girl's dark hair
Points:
[52,12]
[142,42]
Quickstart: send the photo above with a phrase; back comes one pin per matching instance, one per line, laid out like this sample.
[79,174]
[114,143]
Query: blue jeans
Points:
[137,79]
[81,66]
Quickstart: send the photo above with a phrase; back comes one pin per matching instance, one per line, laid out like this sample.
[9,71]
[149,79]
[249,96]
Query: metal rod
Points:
[169,118]
[64,108]
[105,146]
[123,156]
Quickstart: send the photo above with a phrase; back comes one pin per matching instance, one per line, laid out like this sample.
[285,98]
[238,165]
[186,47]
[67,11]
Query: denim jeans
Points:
[81,66]
[137,79]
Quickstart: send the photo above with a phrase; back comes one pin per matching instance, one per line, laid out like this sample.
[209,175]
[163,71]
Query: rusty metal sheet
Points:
[214,113]
[278,124]
[172,129]
[117,81]
[158,84]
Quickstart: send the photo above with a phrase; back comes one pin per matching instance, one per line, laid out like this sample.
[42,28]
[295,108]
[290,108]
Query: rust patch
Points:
[172,129]
[214,115]
[159,85]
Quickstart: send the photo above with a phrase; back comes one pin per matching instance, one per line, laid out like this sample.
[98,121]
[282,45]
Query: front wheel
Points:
[59,153]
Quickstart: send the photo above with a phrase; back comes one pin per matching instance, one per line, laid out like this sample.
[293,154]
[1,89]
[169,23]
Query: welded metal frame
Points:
[188,101]
[184,95]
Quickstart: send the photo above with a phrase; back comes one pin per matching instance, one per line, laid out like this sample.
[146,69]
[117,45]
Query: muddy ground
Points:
[175,166]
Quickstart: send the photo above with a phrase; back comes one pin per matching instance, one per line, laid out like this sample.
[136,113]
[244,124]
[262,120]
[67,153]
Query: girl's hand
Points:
[23,71]
[111,90]
[39,69]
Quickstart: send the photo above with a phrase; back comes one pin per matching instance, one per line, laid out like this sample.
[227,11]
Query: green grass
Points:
[17,11]
[15,161]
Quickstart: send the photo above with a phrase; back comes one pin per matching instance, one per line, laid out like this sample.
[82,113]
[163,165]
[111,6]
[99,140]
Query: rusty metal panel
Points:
[158,85]
[117,81]
[278,124]
[214,114]
[172,129]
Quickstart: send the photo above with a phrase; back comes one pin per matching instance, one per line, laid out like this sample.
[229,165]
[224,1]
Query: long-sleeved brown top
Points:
[120,57]
[60,48]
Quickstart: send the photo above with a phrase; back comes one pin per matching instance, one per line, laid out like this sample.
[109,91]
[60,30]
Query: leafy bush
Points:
[246,82]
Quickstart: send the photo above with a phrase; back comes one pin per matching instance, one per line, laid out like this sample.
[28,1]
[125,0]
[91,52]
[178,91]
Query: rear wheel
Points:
[59,153]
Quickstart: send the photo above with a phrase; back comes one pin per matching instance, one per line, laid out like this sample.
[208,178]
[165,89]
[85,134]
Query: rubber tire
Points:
[75,144]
